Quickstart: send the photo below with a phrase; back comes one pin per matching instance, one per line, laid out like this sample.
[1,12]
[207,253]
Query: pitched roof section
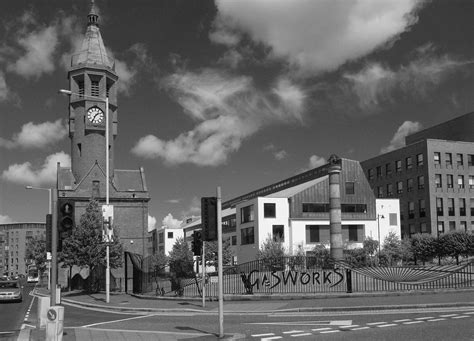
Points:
[93,52]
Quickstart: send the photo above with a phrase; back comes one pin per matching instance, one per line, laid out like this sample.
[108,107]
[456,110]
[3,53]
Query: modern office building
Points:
[166,238]
[14,238]
[296,211]
[433,176]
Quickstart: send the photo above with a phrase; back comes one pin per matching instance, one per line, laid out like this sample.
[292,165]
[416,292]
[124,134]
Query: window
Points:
[389,190]
[450,180]
[379,192]
[354,208]
[462,206]
[422,208]
[95,189]
[463,226]
[388,169]
[246,214]
[472,207]
[419,160]
[80,86]
[411,210]
[350,187]
[313,234]
[438,181]
[170,235]
[423,228]
[352,229]
[278,233]
[371,174]
[409,163]
[451,207]
[234,240]
[247,236]
[459,160]
[439,207]
[269,210]
[449,159]
[398,166]
[452,226]
[411,228]
[392,218]
[470,160]
[379,172]
[421,182]
[95,88]
[440,227]
[471,181]
[437,158]
[460,181]
[409,185]
[400,187]
[315,208]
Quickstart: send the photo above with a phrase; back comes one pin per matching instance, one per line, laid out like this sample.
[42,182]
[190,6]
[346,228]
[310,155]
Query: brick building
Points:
[433,176]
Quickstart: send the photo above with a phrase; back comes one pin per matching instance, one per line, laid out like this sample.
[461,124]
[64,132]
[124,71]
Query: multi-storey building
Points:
[15,240]
[433,177]
[296,211]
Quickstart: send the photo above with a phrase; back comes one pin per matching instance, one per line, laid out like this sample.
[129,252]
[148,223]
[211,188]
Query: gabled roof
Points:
[289,192]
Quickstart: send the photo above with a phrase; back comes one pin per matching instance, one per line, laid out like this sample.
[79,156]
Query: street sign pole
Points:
[203,279]
[219,263]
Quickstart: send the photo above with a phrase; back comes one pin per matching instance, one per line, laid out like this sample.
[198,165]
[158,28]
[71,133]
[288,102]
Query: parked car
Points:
[10,291]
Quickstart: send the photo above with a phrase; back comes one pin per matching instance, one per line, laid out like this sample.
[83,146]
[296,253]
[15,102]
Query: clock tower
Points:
[92,79]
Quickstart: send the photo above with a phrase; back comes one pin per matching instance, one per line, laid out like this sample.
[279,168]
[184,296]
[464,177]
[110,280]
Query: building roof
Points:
[289,192]
[92,52]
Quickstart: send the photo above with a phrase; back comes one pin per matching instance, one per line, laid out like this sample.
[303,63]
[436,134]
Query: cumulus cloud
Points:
[398,140]
[228,109]
[5,219]
[171,222]
[277,154]
[36,135]
[27,174]
[151,223]
[4,90]
[316,161]
[314,36]
[376,83]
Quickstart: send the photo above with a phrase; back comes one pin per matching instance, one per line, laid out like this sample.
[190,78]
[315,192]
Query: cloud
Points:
[26,174]
[4,90]
[5,219]
[151,223]
[377,83]
[277,154]
[36,135]
[171,222]
[316,161]
[228,109]
[173,201]
[398,140]
[314,36]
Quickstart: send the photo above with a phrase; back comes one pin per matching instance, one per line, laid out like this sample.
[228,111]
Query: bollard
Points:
[54,326]
[43,307]
[349,280]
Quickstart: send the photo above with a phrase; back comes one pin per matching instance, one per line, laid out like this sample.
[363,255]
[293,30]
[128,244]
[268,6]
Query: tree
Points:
[423,246]
[456,244]
[322,257]
[85,248]
[212,253]
[181,264]
[392,250]
[36,253]
[272,253]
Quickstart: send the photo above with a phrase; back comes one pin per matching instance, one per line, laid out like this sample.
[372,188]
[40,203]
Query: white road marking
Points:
[436,320]
[293,331]
[351,326]
[449,315]
[309,323]
[460,317]
[331,331]
[260,335]
[471,312]
[413,322]
[271,338]
[387,325]
[404,320]
[114,321]
[424,318]
[361,328]
[375,323]
[298,335]
[319,329]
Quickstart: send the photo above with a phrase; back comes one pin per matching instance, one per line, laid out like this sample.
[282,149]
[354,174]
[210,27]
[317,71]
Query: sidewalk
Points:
[249,304]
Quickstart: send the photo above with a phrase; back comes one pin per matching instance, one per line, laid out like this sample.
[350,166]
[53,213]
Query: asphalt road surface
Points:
[12,314]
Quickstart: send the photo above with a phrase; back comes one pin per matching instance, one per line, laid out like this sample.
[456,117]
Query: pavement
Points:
[240,304]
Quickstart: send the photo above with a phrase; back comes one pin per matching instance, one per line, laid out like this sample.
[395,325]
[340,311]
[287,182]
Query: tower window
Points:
[80,87]
[95,88]
[79,148]
[95,189]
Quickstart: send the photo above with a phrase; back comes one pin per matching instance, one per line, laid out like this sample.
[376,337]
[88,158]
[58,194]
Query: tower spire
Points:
[93,17]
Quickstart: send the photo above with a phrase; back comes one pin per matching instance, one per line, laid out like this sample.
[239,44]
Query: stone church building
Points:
[92,79]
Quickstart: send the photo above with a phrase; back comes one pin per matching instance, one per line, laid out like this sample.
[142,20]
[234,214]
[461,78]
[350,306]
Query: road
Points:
[12,314]
[409,324]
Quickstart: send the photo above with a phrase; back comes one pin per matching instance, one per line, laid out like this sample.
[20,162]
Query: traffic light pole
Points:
[219,263]
[54,248]
[107,270]
[203,259]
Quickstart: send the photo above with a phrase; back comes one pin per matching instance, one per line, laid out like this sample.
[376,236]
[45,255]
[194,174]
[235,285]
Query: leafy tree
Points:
[36,253]
[321,257]
[272,253]
[212,253]
[370,246]
[423,246]
[456,244]
[392,250]
[181,264]
[84,246]
[298,260]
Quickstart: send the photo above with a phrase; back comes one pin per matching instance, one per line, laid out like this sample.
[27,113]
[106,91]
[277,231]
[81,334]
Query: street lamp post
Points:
[106,101]
[378,227]
[48,257]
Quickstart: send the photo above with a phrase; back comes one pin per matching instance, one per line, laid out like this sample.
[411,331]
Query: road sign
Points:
[52,315]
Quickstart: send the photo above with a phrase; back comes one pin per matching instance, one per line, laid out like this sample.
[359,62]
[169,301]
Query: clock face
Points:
[95,115]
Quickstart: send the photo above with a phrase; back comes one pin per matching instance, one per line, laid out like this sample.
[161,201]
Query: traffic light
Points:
[65,220]
[49,232]
[209,218]
[197,243]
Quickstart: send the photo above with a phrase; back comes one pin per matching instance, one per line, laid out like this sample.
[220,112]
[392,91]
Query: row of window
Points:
[389,188]
[324,208]
[423,227]
[450,181]
[451,206]
[448,159]
[390,167]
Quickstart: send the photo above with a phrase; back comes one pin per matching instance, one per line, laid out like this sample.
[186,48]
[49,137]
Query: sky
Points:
[236,94]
